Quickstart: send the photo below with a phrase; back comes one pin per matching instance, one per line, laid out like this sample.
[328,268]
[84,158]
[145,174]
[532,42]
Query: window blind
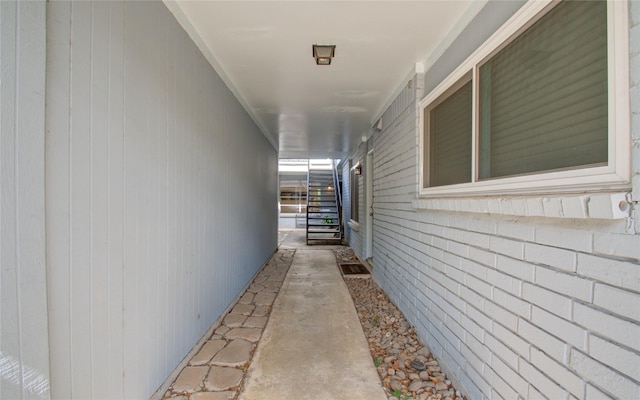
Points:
[450,139]
[543,98]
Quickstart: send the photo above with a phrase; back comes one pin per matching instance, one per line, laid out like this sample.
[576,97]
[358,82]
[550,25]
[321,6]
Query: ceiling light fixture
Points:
[323,53]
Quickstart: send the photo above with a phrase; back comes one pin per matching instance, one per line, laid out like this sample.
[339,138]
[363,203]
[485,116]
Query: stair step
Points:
[319,222]
[322,206]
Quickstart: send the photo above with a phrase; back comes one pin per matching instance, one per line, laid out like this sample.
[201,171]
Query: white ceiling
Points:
[262,49]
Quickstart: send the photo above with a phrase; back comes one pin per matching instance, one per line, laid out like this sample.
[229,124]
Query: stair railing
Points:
[338,190]
[308,196]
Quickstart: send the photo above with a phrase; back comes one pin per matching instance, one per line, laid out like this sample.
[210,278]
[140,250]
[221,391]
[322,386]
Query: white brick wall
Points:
[529,306]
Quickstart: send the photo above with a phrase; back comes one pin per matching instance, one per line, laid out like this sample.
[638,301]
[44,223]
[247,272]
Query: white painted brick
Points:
[439,243]
[479,286]
[509,373]
[519,207]
[534,394]
[517,268]
[482,256]
[564,237]
[461,222]
[478,317]
[499,314]
[498,386]
[508,247]
[617,244]
[618,301]
[607,325]
[603,377]
[455,300]
[511,340]
[534,207]
[592,393]
[575,206]
[550,301]
[566,284]
[494,206]
[474,269]
[551,345]
[552,207]
[457,249]
[472,328]
[499,350]
[481,389]
[553,256]
[483,224]
[560,374]
[512,303]
[616,272]
[560,328]
[454,327]
[541,382]
[464,205]
[503,281]
[470,358]
[455,273]
[506,207]
[476,239]
[608,206]
[471,297]
[476,345]
[449,284]
[479,206]
[516,229]
[615,356]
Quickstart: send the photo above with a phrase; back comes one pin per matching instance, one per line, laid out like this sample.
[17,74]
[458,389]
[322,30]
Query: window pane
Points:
[450,139]
[543,98]
[355,195]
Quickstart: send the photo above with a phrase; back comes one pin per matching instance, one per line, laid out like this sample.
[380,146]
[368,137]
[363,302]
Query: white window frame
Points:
[616,175]
[354,184]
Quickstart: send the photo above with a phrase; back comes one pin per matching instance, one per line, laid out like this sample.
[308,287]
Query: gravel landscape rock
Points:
[406,367]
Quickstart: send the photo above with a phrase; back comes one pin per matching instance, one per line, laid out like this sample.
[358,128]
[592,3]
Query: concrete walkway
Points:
[312,346]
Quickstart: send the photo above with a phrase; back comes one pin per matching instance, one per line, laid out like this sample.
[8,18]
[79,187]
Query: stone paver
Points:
[264,298]
[190,379]
[223,378]
[255,322]
[217,370]
[226,395]
[234,320]
[207,352]
[235,354]
[249,334]
[261,311]
[246,298]
[244,309]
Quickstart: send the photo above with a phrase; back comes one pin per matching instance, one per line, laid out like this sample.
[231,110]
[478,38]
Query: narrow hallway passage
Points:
[297,336]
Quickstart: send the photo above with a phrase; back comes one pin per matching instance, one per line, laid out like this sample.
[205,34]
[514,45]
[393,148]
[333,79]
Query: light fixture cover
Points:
[323,53]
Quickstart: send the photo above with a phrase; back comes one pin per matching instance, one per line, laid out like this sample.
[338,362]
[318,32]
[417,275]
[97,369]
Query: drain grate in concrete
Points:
[354,269]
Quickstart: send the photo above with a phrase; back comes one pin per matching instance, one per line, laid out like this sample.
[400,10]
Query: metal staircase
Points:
[323,203]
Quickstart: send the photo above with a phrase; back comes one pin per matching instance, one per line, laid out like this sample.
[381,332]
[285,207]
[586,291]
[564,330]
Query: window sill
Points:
[354,225]
[582,206]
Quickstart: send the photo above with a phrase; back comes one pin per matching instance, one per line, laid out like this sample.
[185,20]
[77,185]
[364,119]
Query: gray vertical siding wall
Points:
[513,307]
[161,197]
[24,354]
